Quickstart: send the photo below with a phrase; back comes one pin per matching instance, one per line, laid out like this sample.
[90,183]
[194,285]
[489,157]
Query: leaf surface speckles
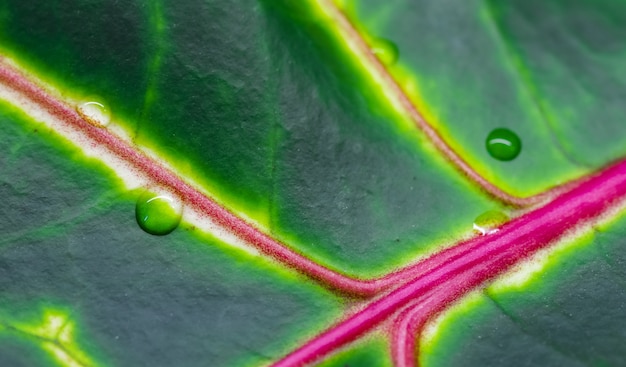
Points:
[345,146]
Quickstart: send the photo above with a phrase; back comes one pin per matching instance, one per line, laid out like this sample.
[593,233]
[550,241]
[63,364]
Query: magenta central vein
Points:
[403,340]
[482,259]
[434,282]
[412,319]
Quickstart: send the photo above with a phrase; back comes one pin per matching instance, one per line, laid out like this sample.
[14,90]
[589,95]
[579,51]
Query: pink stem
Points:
[486,258]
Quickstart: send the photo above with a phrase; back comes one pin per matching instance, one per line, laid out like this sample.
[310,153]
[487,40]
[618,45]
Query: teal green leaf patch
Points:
[350,186]
[140,299]
[277,112]
[372,351]
[458,67]
[571,314]
[269,111]
[572,54]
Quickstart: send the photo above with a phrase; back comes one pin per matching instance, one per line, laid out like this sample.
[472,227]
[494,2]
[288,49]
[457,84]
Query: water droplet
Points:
[95,113]
[386,51]
[489,221]
[158,214]
[503,144]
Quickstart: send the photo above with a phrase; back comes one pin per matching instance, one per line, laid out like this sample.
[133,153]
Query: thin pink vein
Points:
[19,82]
[392,86]
[471,262]
[487,257]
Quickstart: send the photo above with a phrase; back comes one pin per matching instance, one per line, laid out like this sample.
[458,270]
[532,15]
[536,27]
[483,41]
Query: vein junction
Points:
[55,335]
[411,295]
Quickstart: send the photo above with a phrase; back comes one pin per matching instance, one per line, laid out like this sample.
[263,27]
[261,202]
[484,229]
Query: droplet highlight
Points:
[95,113]
[489,221]
[158,214]
[386,51]
[503,144]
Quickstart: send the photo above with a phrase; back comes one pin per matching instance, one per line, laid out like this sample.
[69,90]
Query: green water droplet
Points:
[491,218]
[503,144]
[157,214]
[489,221]
[386,51]
[95,113]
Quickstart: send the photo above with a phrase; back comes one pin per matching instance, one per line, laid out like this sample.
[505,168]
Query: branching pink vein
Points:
[411,320]
[476,262]
[19,82]
[422,289]
[350,33]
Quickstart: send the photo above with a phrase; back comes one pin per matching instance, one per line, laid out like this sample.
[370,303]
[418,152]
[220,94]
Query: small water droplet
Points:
[503,144]
[95,113]
[386,51]
[158,214]
[489,221]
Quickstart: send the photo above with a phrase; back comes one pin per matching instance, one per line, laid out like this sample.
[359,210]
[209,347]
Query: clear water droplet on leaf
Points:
[95,113]
[158,213]
[489,221]
[386,51]
[503,144]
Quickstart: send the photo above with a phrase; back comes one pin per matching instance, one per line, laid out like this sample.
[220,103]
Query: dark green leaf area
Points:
[371,351]
[485,336]
[470,83]
[351,188]
[190,79]
[573,55]
[571,314]
[139,299]
[261,103]
[96,48]
[30,190]
[213,99]
[22,351]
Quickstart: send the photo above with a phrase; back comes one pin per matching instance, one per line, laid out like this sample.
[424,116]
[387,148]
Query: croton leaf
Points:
[312,182]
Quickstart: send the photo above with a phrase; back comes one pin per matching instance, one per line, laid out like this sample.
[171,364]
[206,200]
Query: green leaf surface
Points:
[266,107]
[267,116]
[485,83]
[138,299]
[372,351]
[570,313]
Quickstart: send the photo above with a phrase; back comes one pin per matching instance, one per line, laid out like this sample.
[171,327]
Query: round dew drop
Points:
[489,221]
[386,51]
[95,113]
[157,214]
[503,144]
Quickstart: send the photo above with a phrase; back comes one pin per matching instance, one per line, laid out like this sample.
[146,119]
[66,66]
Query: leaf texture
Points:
[285,115]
